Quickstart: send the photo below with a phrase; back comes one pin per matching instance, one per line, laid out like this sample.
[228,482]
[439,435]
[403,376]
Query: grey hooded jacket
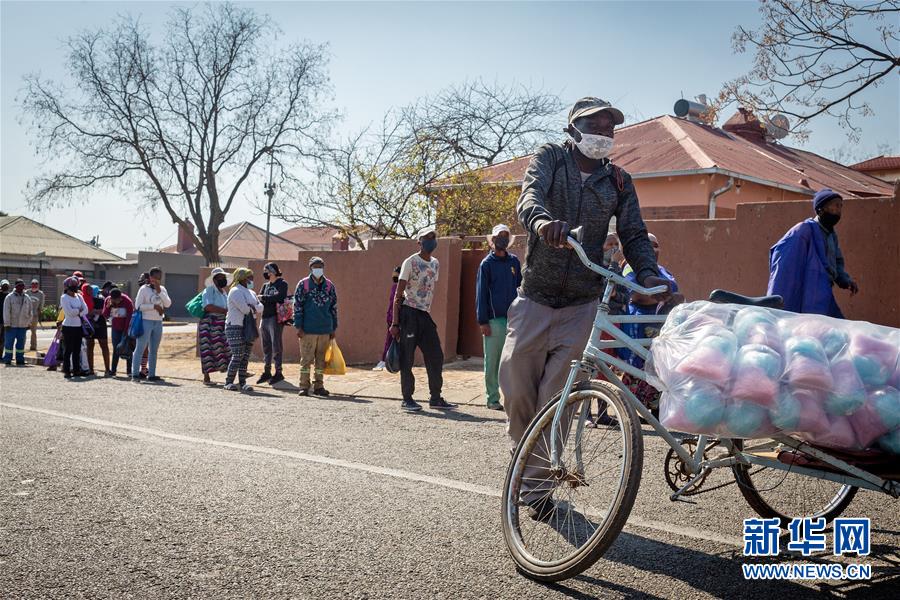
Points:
[553,190]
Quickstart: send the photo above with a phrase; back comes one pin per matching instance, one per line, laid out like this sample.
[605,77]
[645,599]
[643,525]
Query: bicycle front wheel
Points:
[785,495]
[558,522]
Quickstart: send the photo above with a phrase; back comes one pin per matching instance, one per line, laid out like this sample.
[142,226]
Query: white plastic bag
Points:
[746,372]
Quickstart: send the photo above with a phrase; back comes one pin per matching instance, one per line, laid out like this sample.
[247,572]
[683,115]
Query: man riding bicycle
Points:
[549,323]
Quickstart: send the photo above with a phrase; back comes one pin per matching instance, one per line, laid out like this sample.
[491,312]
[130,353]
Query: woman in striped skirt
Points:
[214,352]
[242,302]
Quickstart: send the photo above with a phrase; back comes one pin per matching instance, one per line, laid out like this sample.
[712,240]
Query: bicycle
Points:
[582,487]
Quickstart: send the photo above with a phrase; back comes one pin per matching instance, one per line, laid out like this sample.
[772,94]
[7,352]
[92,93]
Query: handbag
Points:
[136,328]
[250,331]
[392,360]
[195,306]
[284,311]
[51,359]
[86,328]
[126,347]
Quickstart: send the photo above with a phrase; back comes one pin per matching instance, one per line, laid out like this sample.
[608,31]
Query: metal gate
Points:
[181,289]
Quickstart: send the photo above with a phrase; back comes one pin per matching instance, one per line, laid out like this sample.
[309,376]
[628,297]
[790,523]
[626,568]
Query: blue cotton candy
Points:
[743,419]
[890,442]
[785,415]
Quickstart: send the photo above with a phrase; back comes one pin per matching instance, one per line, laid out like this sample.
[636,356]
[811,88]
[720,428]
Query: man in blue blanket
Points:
[807,262]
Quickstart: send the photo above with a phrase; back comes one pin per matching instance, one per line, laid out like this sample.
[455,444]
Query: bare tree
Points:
[480,124]
[416,170]
[812,58]
[372,184]
[183,123]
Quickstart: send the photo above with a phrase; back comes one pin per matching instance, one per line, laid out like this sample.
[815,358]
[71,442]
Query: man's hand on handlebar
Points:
[653,281]
[555,233]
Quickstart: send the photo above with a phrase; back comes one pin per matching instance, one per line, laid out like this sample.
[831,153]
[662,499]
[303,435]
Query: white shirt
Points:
[420,276]
[73,308]
[241,301]
[147,298]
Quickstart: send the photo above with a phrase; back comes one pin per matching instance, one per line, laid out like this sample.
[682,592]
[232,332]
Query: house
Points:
[30,250]
[882,167]
[322,239]
[239,243]
[684,169]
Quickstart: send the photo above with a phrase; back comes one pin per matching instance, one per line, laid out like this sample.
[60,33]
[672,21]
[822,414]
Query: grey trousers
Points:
[270,333]
[541,343]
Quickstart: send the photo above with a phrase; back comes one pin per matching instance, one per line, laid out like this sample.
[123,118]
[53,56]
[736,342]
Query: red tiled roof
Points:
[879,163]
[246,240]
[666,146]
[312,238]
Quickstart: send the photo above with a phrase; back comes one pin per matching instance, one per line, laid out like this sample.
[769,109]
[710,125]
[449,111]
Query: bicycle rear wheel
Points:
[785,495]
[590,503]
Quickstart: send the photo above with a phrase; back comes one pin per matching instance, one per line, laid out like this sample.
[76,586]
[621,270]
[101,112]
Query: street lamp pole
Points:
[270,191]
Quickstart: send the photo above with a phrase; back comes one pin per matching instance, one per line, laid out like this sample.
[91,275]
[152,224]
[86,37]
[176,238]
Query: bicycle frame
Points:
[595,361]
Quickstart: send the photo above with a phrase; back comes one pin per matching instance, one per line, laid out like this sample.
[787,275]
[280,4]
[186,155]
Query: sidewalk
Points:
[463,379]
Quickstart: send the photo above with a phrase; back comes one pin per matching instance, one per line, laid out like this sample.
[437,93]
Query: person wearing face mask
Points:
[214,352]
[18,310]
[499,277]
[412,326]
[316,321]
[549,323]
[242,301]
[118,308]
[37,296]
[395,278]
[273,293]
[152,300]
[806,264]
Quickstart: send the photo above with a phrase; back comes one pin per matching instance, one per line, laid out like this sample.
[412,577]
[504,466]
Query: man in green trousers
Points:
[499,278]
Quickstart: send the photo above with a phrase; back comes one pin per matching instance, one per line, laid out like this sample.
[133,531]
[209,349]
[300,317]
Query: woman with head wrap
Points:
[214,353]
[242,301]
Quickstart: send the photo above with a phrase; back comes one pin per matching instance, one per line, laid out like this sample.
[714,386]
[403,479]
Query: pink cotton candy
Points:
[706,363]
[809,373]
[840,434]
[753,384]
[867,424]
[883,351]
[813,419]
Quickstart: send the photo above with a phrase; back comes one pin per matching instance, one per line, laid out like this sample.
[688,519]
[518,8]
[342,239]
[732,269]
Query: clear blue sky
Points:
[641,55]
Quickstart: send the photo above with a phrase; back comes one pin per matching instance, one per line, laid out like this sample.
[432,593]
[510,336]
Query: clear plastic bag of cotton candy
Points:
[746,372]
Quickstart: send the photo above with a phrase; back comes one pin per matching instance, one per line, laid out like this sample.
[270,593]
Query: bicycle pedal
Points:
[681,499]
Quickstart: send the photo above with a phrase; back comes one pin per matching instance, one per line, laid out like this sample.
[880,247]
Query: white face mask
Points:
[318,273]
[249,285]
[594,146]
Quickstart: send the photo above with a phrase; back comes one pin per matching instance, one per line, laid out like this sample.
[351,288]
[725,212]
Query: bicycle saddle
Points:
[726,297]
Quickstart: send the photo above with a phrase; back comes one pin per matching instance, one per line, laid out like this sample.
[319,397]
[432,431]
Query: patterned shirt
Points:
[420,276]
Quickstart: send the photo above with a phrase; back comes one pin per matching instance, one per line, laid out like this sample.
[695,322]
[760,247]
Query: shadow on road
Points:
[721,576]
[451,415]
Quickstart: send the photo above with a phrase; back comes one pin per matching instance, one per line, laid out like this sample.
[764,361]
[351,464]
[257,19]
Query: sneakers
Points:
[379,366]
[246,388]
[321,392]
[231,387]
[154,378]
[411,406]
[494,406]
[441,404]
[266,376]
[304,392]
[276,378]
[541,510]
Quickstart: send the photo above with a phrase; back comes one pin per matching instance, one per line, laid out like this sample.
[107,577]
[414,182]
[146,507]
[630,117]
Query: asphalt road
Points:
[113,489]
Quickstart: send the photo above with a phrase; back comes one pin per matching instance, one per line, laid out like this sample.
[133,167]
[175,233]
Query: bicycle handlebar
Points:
[574,241]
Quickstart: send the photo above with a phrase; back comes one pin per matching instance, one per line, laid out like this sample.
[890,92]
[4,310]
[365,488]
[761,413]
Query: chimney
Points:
[340,242]
[744,124]
[185,244]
